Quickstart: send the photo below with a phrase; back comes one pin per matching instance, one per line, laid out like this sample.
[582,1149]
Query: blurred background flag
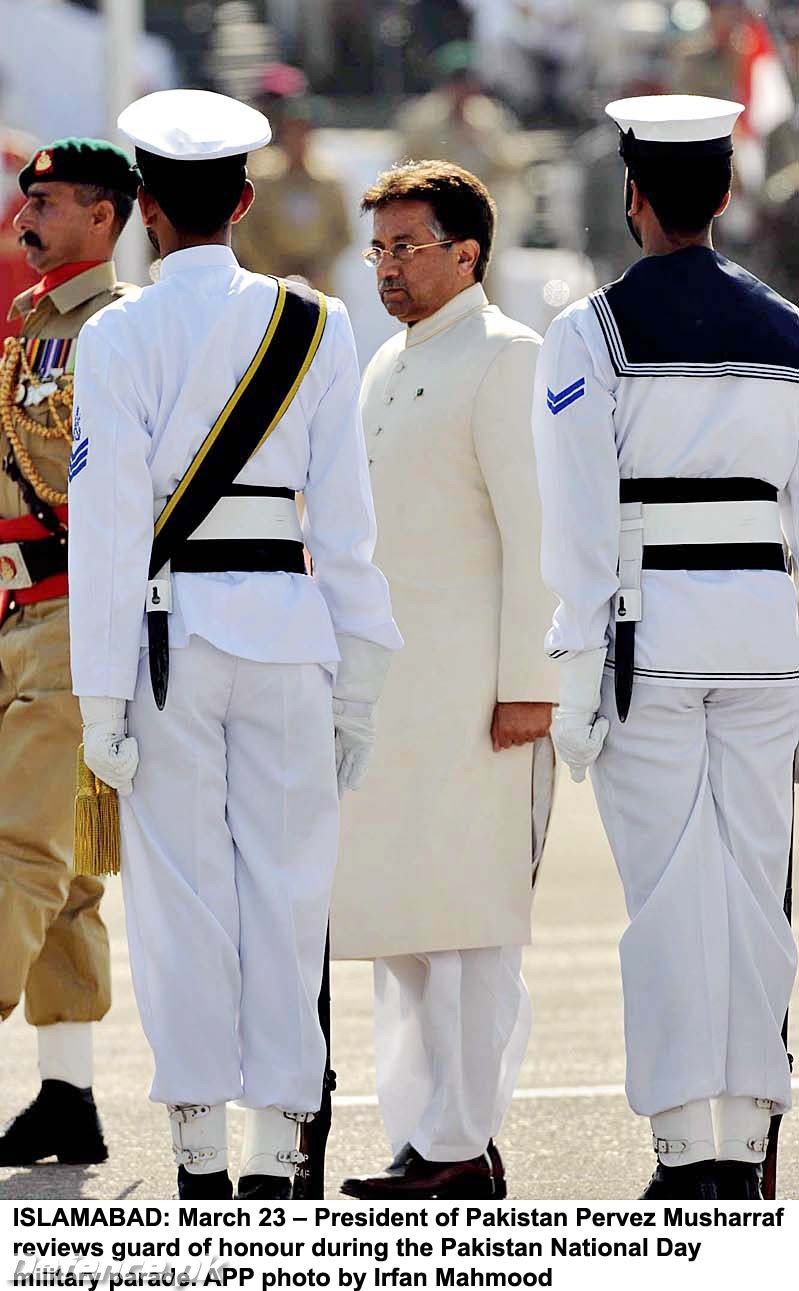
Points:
[765,87]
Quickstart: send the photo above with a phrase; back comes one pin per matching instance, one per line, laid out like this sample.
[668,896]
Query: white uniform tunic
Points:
[686,367]
[229,837]
[150,383]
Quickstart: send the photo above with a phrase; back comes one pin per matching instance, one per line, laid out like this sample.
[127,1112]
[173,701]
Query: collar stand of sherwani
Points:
[468,301]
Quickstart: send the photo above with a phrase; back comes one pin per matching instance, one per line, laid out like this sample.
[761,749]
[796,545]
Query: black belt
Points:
[232,555]
[707,556]
[225,556]
[242,555]
[43,557]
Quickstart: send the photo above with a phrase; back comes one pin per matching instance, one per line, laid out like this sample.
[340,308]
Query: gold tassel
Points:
[97,846]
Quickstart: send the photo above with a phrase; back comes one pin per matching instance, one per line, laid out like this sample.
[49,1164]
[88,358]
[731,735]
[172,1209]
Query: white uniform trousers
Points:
[695,791]
[229,849]
[451,1031]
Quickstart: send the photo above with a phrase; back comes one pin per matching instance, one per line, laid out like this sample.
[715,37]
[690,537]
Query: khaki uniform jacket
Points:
[60,314]
[483,143]
[54,944]
[298,223]
[436,850]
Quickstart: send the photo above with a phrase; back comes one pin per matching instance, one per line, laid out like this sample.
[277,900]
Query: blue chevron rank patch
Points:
[78,459]
[564,398]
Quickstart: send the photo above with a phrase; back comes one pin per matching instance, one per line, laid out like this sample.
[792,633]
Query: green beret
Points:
[82,161]
[302,107]
[456,58]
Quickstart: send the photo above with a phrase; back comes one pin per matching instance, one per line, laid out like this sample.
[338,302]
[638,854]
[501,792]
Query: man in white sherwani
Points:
[233,737]
[438,855]
[667,440]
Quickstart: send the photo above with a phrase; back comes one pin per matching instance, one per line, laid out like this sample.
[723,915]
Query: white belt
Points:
[681,524]
[696,523]
[247,517]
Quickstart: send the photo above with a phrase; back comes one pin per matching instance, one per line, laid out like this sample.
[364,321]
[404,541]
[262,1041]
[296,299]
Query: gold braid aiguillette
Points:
[13,418]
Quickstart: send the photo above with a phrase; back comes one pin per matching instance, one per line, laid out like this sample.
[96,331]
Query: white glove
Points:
[354,725]
[578,733]
[107,750]
[359,681]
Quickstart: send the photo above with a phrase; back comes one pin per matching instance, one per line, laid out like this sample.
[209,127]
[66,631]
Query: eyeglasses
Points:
[402,251]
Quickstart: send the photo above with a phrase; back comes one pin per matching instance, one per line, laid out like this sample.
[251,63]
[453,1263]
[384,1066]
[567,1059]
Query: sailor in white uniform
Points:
[229,834]
[666,420]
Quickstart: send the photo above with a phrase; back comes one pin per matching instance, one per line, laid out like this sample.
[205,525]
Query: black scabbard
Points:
[158,641]
[309,1179]
[624,667]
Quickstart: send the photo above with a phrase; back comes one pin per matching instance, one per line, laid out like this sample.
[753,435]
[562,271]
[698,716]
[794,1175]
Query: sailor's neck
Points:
[658,243]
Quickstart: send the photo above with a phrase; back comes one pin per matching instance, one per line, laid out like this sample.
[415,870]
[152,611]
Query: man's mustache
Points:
[29,239]
[394,285]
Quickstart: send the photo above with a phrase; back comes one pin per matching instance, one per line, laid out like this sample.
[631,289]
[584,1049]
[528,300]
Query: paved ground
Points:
[569,1133]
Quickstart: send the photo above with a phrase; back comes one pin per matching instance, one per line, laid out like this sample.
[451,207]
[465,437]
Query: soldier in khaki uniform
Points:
[298,223]
[53,944]
[459,120]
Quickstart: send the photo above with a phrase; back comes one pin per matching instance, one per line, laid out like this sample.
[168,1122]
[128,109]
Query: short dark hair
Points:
[462,205]
[685,194]
[89,194]
[197,197]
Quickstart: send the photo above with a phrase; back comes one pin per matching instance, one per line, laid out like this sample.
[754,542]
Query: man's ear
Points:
[104,216]
[467,254]
[636,199]
[724,205]
[245,202]
[148,206]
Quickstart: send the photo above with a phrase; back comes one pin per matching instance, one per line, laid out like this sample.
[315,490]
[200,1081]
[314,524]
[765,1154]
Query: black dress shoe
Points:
[263,1187]
[215,1186]
[498,1171]
[61,1122]
[411,1178]
[695,1182]
[738,1181]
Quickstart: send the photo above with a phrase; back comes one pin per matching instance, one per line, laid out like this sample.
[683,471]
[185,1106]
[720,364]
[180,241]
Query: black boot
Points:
[263,1187]
[738,1181]
[215,1186]
[695,1182]
[61,1122]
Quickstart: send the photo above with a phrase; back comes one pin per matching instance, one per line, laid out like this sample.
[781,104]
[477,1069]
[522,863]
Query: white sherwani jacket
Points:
[437,849]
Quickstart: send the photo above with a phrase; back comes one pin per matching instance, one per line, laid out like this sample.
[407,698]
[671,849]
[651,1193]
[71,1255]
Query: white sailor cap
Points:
[194,125]
[657,124]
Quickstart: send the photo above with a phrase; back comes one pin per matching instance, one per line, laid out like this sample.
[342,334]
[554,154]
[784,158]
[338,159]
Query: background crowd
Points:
[513,90]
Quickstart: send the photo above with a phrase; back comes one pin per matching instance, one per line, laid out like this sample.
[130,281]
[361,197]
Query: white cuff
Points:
[94,710]
[581,681]
[362,670]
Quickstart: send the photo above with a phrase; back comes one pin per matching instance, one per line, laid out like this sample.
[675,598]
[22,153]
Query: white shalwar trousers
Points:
[695,791]
[451,1032]
[229,848]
